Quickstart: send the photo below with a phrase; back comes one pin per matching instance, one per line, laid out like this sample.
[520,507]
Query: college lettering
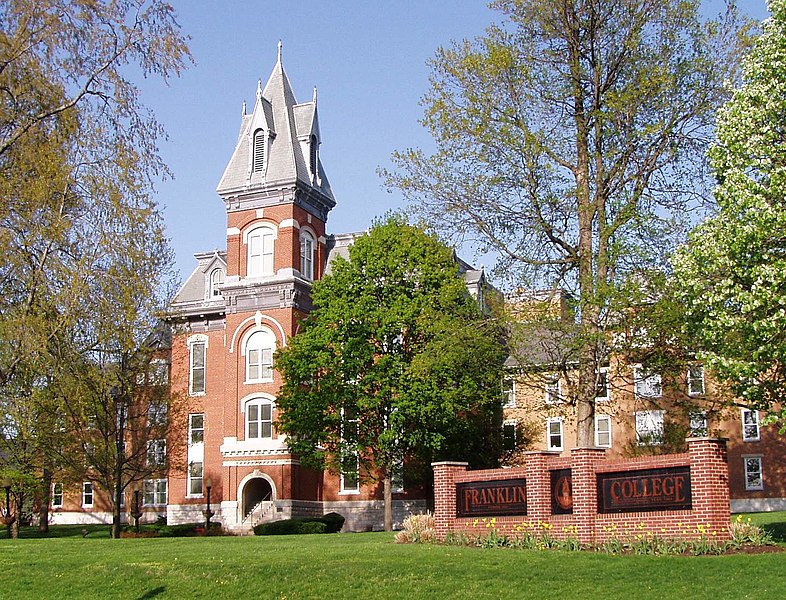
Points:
[496,496]
[669,487]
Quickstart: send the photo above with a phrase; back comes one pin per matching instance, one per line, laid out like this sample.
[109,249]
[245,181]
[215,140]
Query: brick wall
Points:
[709,515]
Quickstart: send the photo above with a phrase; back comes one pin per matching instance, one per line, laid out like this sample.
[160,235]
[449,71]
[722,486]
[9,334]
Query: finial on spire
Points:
[280,46]
[244,108]
[314,97]
[259,89]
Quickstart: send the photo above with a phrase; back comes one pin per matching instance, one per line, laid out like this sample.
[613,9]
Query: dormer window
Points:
[258,162]
[216,280]
[313,155]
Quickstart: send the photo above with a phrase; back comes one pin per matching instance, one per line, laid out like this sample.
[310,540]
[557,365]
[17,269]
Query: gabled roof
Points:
[290,126]
[194,292]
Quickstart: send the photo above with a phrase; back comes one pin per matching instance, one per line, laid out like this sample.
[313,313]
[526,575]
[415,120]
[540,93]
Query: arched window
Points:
[307,255]
[259,349]
[216,279]
[259,419]
[258,163]
[261,243]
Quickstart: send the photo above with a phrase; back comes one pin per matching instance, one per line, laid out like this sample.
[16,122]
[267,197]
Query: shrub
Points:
[334,522]
[291,527]
[418,529]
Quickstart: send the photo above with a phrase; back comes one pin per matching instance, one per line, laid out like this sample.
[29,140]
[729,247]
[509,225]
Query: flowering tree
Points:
[731,277]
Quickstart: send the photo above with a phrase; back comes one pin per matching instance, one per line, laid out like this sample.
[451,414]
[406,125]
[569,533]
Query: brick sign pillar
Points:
[538,485]
[445,494]
[585,490]
[709,472]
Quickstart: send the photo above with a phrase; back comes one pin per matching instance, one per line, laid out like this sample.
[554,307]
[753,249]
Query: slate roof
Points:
[194,292]
[289,127]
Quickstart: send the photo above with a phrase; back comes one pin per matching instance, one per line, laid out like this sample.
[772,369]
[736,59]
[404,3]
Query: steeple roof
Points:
[290,129]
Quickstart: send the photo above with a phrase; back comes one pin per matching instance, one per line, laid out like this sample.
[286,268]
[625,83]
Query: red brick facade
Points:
[706,459]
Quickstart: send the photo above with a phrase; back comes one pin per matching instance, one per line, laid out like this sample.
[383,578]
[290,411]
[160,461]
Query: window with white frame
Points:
[698,423]
[307,255]
[261,246]
[196,379]
[695,380]
[216,281]
[87,493]
[645,384]
[350,466]
[554,433]
[602,387]
[259,349]
[157,412]
[57,495]
[158,372]
[259,419]
[552,393]
[397,477]
[649,427]
[603,431]
[258,162]
[196,428]
[156,453]
[509,436]
[754,479]
[750,425]
[155,492]
[195,474]
[509,392]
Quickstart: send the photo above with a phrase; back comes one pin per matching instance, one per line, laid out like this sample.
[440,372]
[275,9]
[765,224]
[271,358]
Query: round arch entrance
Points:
[255,491]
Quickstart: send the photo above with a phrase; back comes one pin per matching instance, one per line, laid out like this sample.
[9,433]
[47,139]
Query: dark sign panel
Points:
[561,492]
[491,498]
[646,490]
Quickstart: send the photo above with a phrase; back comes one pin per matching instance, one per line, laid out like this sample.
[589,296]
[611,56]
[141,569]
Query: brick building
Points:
[637,413]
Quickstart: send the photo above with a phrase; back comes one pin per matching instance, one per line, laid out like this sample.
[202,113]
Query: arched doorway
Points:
[255,491]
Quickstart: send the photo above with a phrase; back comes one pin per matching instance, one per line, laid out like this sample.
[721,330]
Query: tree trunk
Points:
[43,511]
[388,501]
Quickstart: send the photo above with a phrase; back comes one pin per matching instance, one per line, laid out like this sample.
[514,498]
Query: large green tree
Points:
[82,239]
[731,276]
[570,139]
[396,366]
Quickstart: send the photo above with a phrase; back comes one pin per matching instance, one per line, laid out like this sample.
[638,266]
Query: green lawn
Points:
[366,566]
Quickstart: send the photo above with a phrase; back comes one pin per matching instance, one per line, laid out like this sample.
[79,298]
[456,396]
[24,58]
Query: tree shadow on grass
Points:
[153,593]
[776,530]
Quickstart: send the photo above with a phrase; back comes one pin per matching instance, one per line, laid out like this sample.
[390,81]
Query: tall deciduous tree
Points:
[396,364]
[731,276]
[570,140]
[82,239]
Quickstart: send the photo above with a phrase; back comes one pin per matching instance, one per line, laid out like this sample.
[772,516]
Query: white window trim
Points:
[653,414]
[693,418]
[689,379]
[189,479]
[259,401]
[258,228]
[191,342]
[745,459]
[509,392]
[213,287]
[84,494]
[639,375]
[61,494]
[561,423]
[263,331]
[306,235]
[344,491]
[156,450]
[547,394]
[191,429]
[510,423]
[607,397]
[597,437]
[746,438]
[154,483]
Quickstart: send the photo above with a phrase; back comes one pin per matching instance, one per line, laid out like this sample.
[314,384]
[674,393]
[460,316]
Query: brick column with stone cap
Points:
[538,485]
[445,474]
[709,476]
[585,490]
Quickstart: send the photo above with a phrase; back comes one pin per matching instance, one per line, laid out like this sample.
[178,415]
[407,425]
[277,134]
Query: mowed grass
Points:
[366,565]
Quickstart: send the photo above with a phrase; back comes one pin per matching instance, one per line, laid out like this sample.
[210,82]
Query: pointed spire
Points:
[280,46]
[314,97]
[244,108]
[259,89]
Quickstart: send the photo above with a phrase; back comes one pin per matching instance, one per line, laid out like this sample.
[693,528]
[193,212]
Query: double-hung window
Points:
[156,453]
[552,393]
[508,392]
[649,427]
[750,425]
[261,246]
[695,380]
[57,495]
[196,428]
[195,474]
[646,385]
[603,431]
[155,492]
[259,419]
[196,378]
[259,349]
[87,494]
[307,255]
[698,423]
[754,480]
[554,433]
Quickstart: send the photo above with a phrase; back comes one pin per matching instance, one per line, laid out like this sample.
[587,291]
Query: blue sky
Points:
[368,62]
